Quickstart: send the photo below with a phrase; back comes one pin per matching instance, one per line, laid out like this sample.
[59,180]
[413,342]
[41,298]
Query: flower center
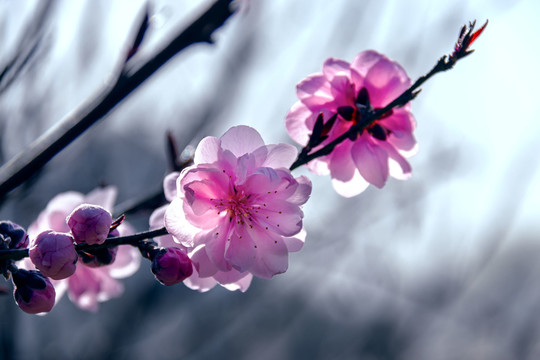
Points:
[363,106]
[237,207]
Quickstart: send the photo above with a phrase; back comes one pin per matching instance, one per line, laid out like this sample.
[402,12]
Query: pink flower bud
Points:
[34,293]
[90,224]
[54,254]
[16,234]
[171,266]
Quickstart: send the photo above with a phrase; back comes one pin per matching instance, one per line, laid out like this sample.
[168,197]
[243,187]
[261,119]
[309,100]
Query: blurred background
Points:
[442,266]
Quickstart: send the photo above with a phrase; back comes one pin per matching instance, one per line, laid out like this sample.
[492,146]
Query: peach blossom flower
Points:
[238,207]
[345,90]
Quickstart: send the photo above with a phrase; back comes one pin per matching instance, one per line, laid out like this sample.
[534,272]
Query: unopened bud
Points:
[34,293]
[171,266]
[90,224]
[54,254]
[99,257]
[16,234]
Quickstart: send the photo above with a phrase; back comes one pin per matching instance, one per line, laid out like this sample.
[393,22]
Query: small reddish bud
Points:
[466,38]
[171,266]
[90,224]
[54,254]
[33,293]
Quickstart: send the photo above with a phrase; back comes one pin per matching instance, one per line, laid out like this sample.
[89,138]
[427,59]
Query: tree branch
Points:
[22,166]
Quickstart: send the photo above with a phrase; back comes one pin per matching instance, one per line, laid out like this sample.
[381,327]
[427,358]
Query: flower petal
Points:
[157,220]
[215,241]
[127,262]
[229,277]
[319,166]
[312,85]
[296,242]
[356,185]
[361,65]
[399,168]
[88,286]
[341,163]
[333,67]
[102,196]
[54,215]
[385,81]
[302,192]
[240,250]
[272,255]
[296,123]
[342,91]
[169,185]
[177,224]
[371,161]
[195,282]
[241,284]
[207,150]
[399,121]
[280,155]
[241,140]
[204,266]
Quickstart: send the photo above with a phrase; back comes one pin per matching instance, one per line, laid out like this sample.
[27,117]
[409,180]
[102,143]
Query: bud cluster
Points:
[33,292]
[54,254]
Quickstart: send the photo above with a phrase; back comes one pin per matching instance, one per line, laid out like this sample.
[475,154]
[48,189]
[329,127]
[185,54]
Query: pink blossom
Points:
[89,224]
[33,293]
[88,285]
[54,254]
[371,80]
[238,207]
[240,282]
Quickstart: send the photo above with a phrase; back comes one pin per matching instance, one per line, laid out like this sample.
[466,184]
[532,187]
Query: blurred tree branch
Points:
[21,167]
[29,43]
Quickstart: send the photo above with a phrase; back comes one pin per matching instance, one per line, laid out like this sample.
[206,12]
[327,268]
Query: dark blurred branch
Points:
[28,45]
[157,198]
[145,202]
[22,166]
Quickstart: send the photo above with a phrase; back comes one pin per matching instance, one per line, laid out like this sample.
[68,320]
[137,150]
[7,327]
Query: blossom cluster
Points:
[344,93]
[88,277]
[235,212]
